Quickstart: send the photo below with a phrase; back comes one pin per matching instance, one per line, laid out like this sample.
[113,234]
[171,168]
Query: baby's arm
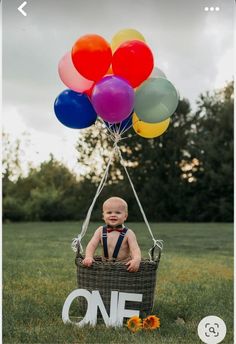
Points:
[133,264]
[91,247]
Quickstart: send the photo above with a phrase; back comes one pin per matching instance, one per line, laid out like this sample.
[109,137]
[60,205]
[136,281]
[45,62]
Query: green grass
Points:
[195,279]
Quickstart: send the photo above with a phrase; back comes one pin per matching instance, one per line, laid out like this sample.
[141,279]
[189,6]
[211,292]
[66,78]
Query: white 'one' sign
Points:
[94,301]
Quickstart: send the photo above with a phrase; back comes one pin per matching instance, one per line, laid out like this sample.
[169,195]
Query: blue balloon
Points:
[74,110]
[121,126]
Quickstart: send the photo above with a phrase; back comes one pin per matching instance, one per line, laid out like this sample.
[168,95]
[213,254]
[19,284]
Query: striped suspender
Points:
[118,244]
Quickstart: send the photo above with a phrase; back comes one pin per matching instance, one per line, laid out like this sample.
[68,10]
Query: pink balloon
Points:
[113,98]
[71,77]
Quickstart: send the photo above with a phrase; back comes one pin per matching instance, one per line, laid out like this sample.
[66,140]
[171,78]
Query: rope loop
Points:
[76,243]
[159,243]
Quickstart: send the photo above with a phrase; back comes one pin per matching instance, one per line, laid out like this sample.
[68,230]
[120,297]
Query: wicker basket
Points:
[106,276]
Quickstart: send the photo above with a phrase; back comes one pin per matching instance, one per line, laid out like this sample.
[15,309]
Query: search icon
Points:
[212,330]
[209,332]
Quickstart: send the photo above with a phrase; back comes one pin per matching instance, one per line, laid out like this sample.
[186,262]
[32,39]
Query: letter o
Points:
[66,307]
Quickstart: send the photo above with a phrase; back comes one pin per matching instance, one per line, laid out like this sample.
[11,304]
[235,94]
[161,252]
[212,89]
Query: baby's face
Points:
[114,213]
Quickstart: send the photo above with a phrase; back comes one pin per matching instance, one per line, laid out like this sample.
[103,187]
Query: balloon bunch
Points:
[117,82]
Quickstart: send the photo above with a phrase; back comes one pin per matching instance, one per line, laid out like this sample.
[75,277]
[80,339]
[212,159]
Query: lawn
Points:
[195,279]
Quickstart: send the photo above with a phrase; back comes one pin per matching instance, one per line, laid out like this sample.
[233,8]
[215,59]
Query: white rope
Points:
[126,128]
[116,137]
[158,243]
[77,240]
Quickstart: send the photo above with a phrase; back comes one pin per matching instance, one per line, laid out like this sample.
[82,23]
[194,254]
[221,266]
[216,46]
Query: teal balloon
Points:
[157,73]
[155,100]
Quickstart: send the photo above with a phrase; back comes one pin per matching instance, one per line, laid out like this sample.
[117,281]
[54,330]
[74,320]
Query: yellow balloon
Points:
[125,35]
[149,130]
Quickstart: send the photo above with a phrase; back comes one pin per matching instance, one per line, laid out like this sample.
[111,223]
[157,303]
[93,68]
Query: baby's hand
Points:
[133,265]
[88,261]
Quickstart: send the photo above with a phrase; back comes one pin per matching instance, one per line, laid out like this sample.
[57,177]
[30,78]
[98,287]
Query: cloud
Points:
[191,46]
[42,143]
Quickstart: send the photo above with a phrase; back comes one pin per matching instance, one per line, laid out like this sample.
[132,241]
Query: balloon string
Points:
[131,125]
[127,126]
[114,129]
[137,199]
[77,241]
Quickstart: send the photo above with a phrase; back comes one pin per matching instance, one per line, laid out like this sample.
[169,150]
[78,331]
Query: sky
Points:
[192,46]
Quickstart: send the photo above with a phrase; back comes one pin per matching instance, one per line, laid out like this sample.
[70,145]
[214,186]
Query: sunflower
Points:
[151,322]
[134,324]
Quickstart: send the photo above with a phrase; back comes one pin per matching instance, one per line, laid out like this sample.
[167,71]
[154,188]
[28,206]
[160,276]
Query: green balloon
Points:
[155,100]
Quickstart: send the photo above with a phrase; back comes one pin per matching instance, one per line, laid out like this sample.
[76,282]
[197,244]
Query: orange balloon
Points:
[91,56]
[110,71]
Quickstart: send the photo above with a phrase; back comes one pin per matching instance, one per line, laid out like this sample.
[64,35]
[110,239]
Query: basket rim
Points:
[100,260]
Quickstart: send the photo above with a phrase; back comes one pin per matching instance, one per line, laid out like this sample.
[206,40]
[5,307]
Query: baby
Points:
[118,242]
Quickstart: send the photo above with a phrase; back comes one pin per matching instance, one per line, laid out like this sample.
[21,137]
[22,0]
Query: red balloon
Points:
[133,60]
[91,56]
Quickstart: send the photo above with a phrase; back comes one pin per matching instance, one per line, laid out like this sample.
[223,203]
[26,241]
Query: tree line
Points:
[184,175]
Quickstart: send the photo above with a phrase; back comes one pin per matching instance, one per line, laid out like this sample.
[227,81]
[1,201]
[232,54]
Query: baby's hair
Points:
[117,199]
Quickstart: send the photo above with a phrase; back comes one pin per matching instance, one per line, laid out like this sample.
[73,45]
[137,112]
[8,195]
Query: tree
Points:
[213,146]
[12,156]
[186,174]
[49,193]
[154,166]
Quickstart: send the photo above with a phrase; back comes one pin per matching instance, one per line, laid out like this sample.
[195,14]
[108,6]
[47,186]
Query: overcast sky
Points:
[192,46]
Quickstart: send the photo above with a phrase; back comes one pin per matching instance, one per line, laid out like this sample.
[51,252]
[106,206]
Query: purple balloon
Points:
[113,98]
